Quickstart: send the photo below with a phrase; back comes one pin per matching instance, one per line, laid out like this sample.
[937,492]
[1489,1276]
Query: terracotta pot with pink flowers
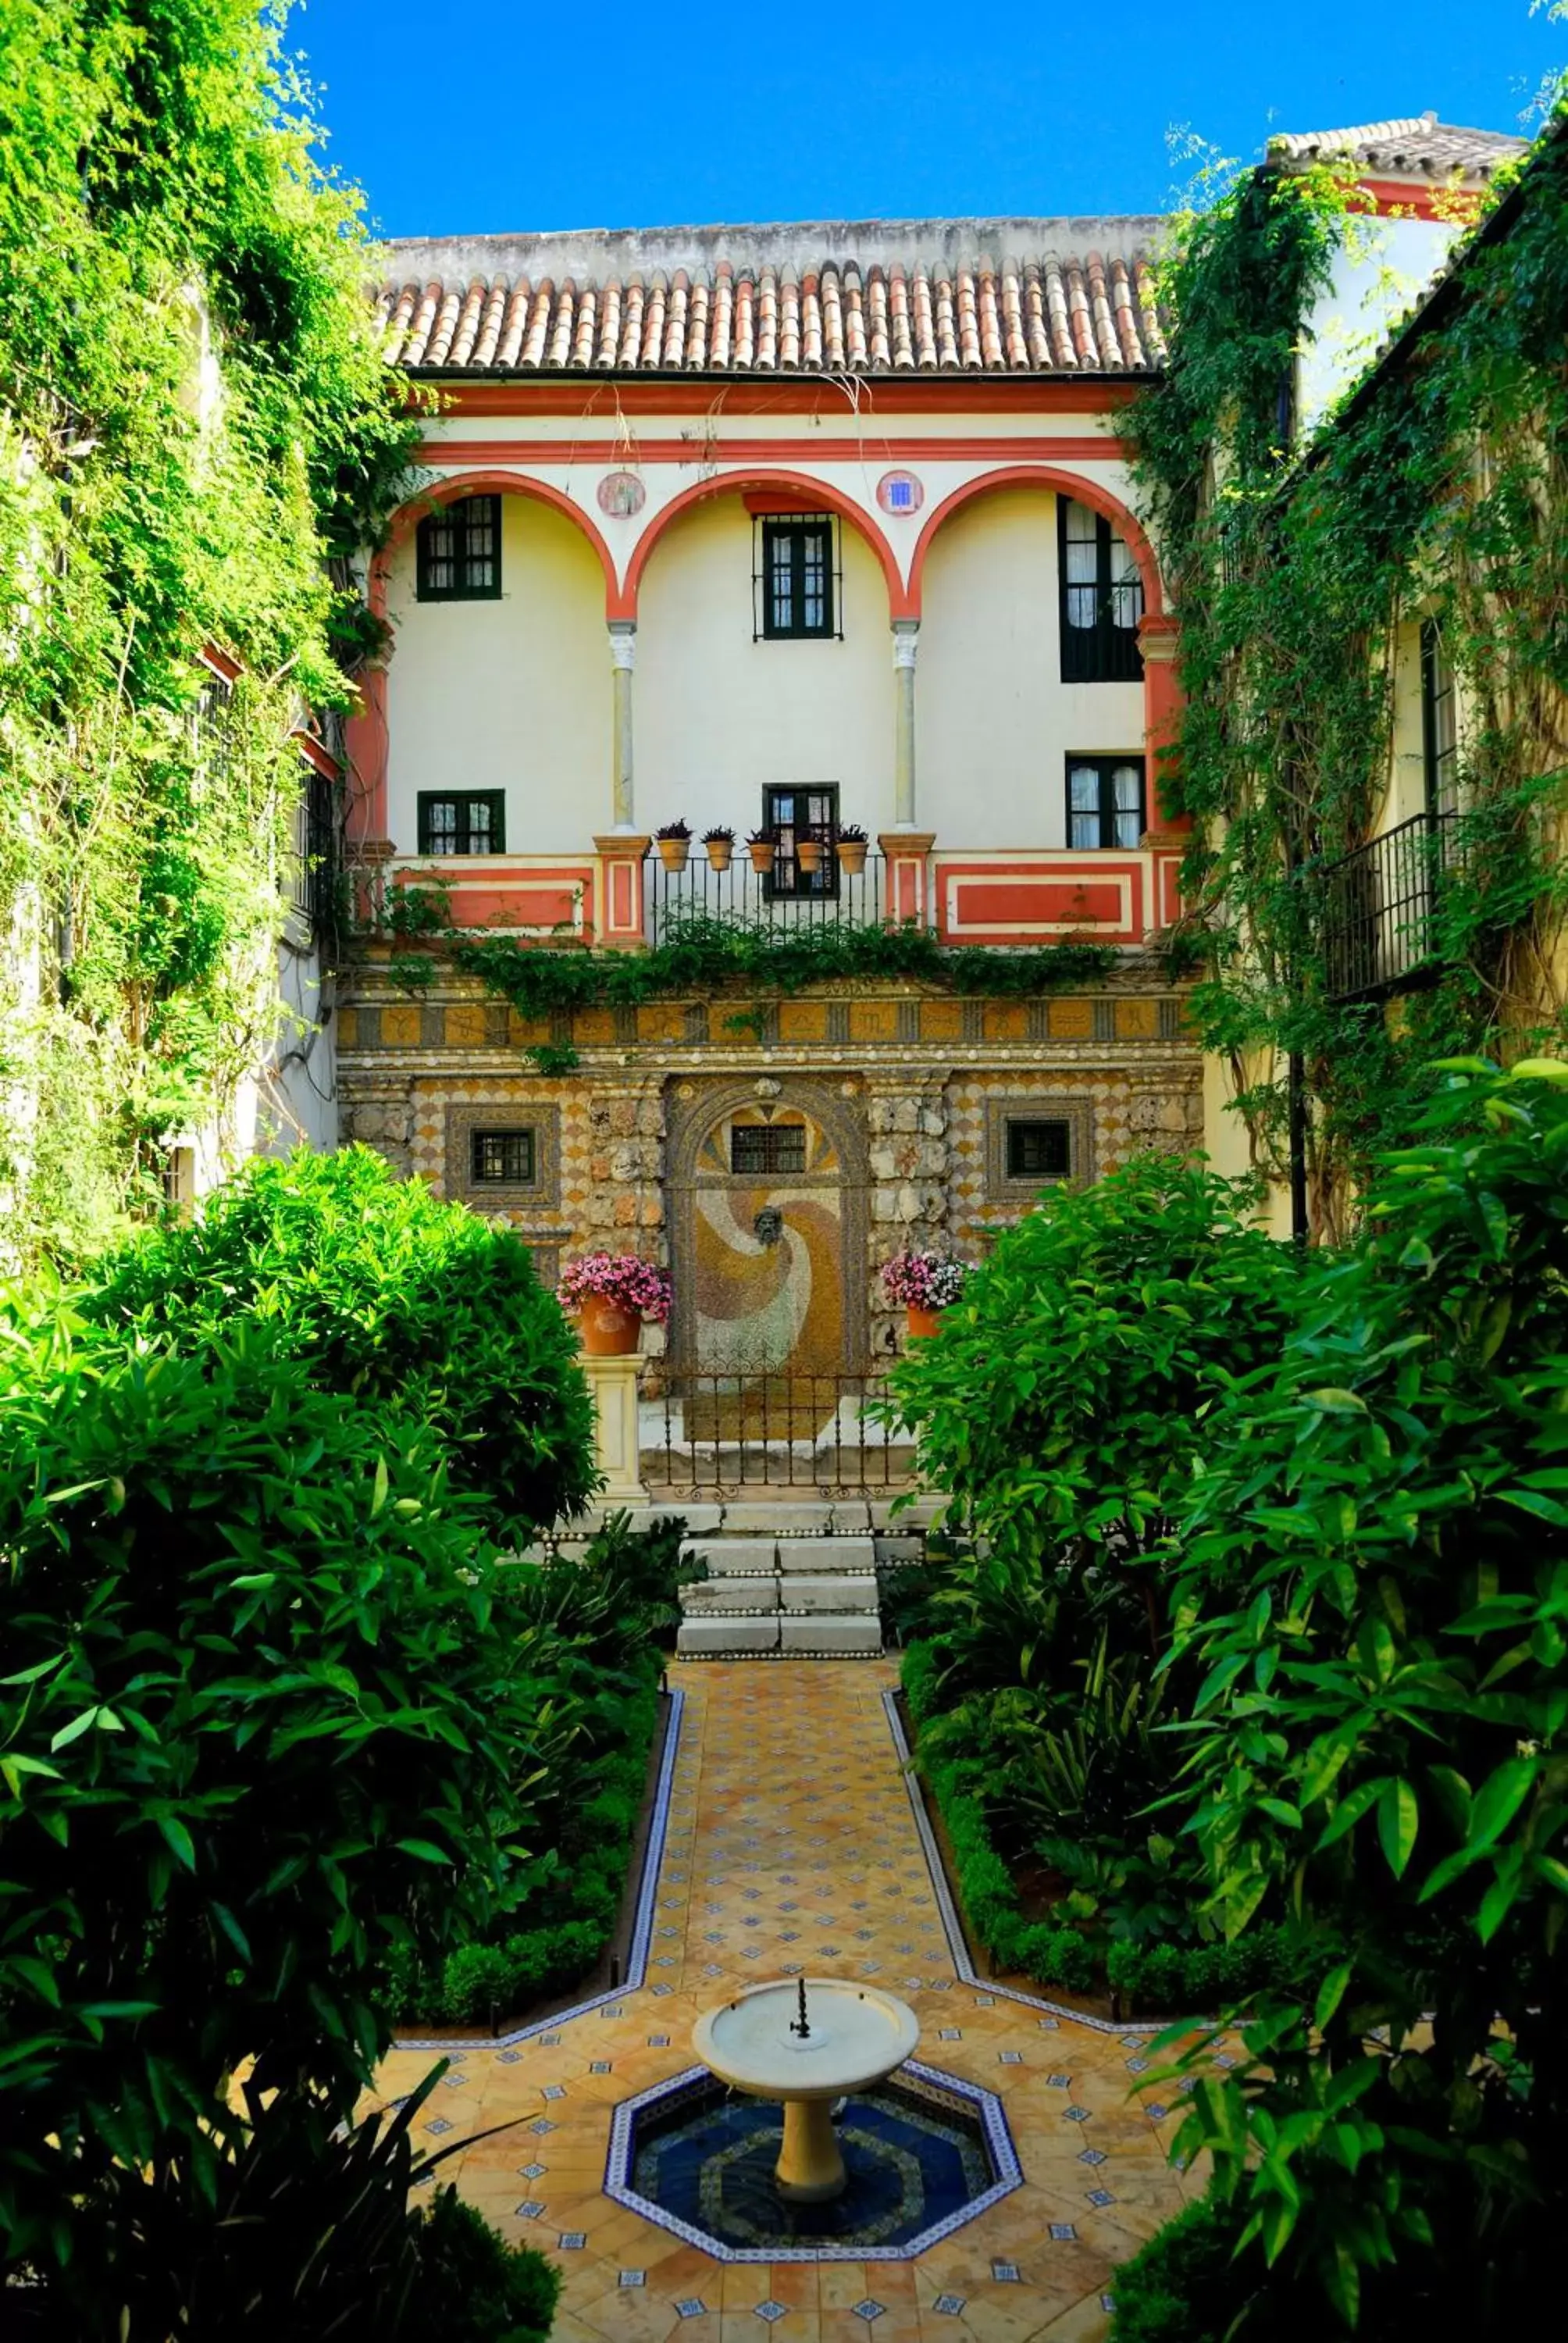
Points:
[612,1293]
[925,1284]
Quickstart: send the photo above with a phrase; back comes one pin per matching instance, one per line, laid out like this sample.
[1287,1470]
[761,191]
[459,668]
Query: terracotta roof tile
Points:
[1413,147]
[926,297]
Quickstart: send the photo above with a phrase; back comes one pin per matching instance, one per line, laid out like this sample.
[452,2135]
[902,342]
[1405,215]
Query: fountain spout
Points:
[802,2025]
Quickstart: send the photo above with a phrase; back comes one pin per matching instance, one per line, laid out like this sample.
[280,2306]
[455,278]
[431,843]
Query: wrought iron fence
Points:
[1377,906]
[710,1433]
[830,895]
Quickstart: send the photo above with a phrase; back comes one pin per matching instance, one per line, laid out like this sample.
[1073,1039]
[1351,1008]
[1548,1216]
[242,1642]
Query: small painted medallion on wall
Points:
[621,494]
[900,492]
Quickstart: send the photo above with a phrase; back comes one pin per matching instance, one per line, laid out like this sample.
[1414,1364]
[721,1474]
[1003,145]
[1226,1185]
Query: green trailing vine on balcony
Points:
[702,955]
[1438,491]
[197,432]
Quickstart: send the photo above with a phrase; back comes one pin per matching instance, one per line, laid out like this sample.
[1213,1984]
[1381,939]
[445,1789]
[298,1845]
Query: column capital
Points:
[623,642]
[906,841]
[906,641]
[1160,637]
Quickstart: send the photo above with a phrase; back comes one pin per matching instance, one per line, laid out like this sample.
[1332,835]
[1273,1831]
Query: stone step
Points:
[726,1557]
[859,1634]
[715,1637]
[758,1591]
[845,1591]
[816,1557]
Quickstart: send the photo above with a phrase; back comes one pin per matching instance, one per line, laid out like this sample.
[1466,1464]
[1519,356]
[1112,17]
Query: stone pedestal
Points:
[613,1382]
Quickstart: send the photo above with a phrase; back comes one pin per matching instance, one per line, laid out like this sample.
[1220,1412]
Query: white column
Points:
[623,658]
[906,639]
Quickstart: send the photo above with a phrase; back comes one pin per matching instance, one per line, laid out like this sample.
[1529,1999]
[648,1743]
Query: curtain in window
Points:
[1083,800]
[1127,804]
[1082,566]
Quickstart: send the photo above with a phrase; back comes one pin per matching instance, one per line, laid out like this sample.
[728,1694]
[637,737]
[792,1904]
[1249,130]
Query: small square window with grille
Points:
[501,1157]
[1038,1151]
[791,816]
[795,582]
[462,821]
[459,552]
[768,1147]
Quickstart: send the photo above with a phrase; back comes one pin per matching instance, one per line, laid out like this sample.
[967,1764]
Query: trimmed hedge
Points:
[478,1981]
[1185,2285]
[1171,1977]
[471,2286]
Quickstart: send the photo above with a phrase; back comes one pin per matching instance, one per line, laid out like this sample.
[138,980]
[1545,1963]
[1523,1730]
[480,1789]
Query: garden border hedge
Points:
[1175,1978]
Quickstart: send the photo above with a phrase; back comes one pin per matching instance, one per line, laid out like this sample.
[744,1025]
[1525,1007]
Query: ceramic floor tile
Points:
[791,1842]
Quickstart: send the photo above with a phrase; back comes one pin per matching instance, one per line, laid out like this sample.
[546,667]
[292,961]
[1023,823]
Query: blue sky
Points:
[500,114]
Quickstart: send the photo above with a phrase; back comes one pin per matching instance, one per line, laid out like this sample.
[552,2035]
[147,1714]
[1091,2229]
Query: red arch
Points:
[822,497]
[454,485]
[1066,484]
[368,746]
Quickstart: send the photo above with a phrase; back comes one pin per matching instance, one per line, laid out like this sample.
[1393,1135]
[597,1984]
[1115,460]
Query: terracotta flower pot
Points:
[761,853]
[808,853]
[720,851]
[608,1330]
[674,852]
[852,855]
[923,1322]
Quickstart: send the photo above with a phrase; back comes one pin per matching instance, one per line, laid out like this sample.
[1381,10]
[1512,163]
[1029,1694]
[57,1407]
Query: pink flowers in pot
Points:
[618,1277]
[924,1281]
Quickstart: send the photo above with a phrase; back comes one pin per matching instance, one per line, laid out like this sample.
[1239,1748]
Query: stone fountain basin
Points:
[858,2036]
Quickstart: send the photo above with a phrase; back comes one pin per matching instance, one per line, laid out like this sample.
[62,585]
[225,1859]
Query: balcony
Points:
[831,896]
[1378,907]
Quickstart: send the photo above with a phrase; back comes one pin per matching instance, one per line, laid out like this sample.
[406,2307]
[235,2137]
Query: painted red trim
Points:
[1067,484]
[1422,200]
[617,395]
[311,750]
[822,493]
[1059,888]
[222,663]
[1102,448]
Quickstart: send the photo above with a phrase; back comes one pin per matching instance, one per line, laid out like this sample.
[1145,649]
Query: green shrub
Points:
[1185,2285]
[383,1294]
[1374,1583]
[471,2286]
[260,1720]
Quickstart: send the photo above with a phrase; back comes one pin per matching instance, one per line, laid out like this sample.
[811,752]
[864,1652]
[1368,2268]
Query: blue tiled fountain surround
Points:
[924,2153]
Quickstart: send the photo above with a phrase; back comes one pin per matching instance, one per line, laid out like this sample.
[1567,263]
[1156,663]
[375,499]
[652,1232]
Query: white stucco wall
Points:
[511,695]
[995,723]
[719,716]
[1380,269]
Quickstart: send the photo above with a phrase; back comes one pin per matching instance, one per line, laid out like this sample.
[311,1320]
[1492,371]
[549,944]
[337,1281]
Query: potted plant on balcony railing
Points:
[720,845]
[808,852]
[850,846]
[762,846]
[612,1293]
[925,1284]
[674,844]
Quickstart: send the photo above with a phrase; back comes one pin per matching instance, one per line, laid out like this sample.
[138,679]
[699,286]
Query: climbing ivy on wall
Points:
[1435,488]
[196,432]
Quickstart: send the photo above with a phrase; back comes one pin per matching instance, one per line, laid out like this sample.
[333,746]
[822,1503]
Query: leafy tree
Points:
[1373,1588]
[384,1294]
[259,1722]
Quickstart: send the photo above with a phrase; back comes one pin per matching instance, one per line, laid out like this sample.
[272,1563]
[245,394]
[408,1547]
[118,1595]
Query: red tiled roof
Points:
[922,297]
[1417,146]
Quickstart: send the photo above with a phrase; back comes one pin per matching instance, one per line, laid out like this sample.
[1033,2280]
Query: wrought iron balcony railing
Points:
[830,895]
[1378,907]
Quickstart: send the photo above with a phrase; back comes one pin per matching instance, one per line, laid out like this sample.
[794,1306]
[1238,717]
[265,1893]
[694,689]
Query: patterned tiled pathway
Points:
[791,1842]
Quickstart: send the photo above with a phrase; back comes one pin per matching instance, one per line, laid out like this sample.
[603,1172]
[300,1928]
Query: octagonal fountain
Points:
[806,2046]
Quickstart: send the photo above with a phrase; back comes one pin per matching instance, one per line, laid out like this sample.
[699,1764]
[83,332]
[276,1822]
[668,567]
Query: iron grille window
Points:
[1101,598]
[1104,801]
[315,849]
[501,1157]
[791,815]
[1038,1151]
[1439,723]
[768,1147]
[796,582]
[459,552]
[465,821]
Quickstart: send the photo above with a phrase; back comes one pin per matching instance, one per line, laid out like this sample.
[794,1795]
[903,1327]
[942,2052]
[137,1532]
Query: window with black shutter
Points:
[789,815]
[1439,722]
[1101,598]
[1104,801]
[795,581]
[462,821]
[459,552]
